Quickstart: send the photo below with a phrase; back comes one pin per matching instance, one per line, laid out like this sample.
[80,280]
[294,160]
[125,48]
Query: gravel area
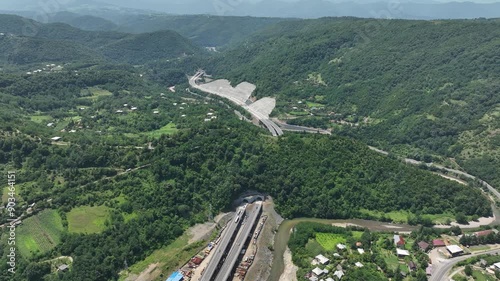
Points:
[290,272]
[264,106]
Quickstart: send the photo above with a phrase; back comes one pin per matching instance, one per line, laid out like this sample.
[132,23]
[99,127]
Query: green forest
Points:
[91,126]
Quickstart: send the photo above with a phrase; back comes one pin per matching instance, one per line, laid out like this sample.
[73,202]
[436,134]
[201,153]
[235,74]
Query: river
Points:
[283,235]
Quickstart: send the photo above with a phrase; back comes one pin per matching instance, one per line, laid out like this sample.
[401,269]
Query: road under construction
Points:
[233,240]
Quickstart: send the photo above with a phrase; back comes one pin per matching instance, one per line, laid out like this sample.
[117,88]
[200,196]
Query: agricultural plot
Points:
[86,219]
[169,129]
[97,92]
[39,233]
[329,241]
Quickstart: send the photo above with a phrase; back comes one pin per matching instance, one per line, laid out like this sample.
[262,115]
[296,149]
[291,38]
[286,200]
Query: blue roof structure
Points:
[176,276]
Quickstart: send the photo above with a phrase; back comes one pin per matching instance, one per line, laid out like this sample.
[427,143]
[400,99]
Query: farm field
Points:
[39,233]
[329,241]
[86,219]
[168,129]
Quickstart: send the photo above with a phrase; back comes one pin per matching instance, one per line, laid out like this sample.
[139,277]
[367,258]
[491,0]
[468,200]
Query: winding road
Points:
[440,270]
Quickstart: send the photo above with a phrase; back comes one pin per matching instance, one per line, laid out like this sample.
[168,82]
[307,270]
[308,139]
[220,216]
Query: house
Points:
[358,264]
[483,233]
[399,241]
[156,112]
[454,250]
[50,125]
[338,273]
[496,266]
[336,255]
[423,246]
[361,251]
[119,111]
[176,276]
[438,243]
[412,266]
[402,253]
[341,246]
[322,259]
[63,268]
[56,138]
[318,271]
[133,108]
[330,279]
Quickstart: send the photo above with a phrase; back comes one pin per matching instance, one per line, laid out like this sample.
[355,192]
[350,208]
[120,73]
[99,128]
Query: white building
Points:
[402,253]
[361,251]
[322,259]
[341,246]
[317,271]
[454,250]
[358,264]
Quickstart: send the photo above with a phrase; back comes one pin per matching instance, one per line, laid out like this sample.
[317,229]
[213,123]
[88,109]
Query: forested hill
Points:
[26,41]
[421,88]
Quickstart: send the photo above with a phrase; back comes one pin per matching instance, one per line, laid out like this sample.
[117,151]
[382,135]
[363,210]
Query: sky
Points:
[155,4]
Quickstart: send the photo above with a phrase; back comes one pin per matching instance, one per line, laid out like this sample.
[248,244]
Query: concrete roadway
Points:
[270,125]
[440,270]
[239,243]
[220,249]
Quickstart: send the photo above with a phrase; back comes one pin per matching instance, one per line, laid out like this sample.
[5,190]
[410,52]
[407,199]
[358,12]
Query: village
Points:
[402,256]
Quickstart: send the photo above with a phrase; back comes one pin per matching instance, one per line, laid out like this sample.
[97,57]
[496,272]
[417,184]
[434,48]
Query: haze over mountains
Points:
[416,9]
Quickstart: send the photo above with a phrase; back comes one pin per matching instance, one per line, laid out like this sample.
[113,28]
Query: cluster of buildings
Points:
[48,67]
[318,274]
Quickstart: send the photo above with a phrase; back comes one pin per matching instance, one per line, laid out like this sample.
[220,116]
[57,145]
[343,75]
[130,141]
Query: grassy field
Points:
[97,92]
[170,257]
[86,219]
[299,113]
[314,104]
[19,187]
[479,276]
[357,234]
[41,118]
[329,241]
[402,216]
[39,233]
[169,129]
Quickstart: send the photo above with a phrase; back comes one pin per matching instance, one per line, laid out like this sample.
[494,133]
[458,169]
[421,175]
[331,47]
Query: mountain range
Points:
[113,9]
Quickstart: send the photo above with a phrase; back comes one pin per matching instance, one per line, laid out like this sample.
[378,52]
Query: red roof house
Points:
[483,233]
[438,243]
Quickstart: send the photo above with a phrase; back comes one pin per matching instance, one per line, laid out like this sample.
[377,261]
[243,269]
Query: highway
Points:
[440,270]
[270,125]
[221,248]
[246,231]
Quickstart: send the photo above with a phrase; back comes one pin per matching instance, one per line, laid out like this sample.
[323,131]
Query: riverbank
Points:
[290,272]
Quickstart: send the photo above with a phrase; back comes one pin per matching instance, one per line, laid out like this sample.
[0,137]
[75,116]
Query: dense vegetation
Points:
[147,159]
[27,42]
[420,88]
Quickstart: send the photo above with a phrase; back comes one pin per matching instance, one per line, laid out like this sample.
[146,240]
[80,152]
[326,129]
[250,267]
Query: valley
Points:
[149,146]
